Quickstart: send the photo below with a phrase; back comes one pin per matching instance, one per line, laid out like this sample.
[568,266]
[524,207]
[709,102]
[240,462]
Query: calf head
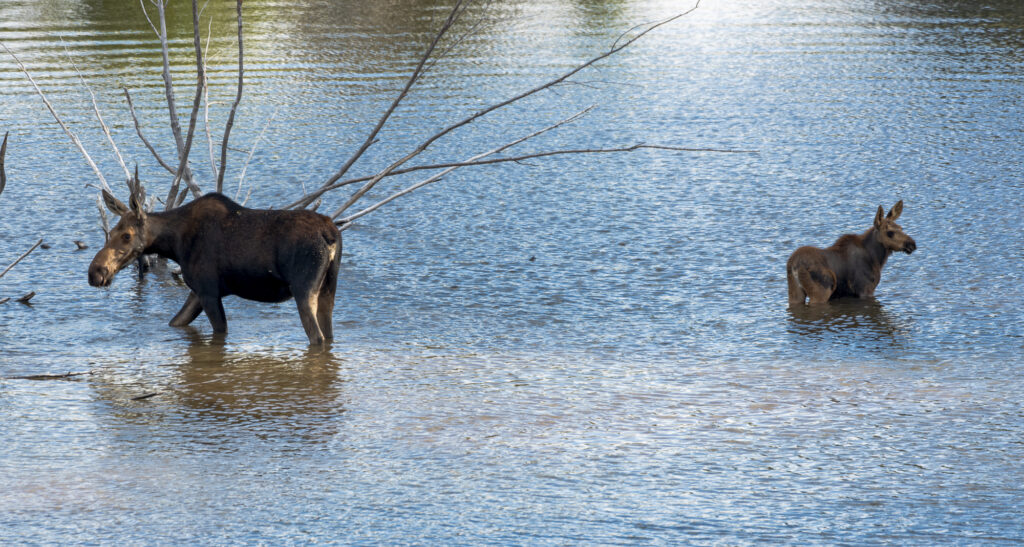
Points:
[890,234]
[126,240]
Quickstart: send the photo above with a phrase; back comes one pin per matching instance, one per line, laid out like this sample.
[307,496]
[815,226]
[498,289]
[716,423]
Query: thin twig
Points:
[372,137]
[234,106]
[475,160]
[252,151]
[617,47]
[146,13]
[173,199]
[96,109]
[20,258]
[71,134]
[3,172]
[206,101]
[172,110]
[138,130]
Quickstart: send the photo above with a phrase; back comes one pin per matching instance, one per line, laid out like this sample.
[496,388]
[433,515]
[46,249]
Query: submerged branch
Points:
[68,374]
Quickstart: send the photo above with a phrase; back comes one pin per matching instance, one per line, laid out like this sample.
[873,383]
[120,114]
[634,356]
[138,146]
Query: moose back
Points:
[226,249]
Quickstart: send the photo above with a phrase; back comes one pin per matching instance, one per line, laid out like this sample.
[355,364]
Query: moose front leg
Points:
[188,312]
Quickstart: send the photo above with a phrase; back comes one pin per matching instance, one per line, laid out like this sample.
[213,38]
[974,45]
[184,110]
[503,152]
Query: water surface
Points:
[581,349]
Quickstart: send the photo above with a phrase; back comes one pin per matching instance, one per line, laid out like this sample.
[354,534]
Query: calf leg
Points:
[188,312]
[818,284]
[797,296]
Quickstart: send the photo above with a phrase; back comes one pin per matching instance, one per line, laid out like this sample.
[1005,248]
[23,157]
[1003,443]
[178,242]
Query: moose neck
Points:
[878,252]
[161,231]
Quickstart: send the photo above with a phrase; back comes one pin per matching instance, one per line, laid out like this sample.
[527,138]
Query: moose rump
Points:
[225,249]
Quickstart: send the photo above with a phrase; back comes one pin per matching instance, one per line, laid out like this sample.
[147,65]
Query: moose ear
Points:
[878,216]
[896,211]
[114,204]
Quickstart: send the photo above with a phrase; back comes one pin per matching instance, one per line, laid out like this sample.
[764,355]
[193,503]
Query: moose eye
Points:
[890,233]
[128,237]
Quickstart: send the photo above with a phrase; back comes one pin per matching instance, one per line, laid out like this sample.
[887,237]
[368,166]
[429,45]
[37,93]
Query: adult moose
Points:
[852,266]
[226,249]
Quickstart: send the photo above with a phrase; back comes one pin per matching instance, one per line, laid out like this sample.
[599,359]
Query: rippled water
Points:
[582,349]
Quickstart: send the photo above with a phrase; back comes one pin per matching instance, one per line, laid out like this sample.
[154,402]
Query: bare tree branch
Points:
[138,130]
[146,13]
[252,151]
[172,108]
[347,220]
[71,134]
[173,199]
[616,47]
[20,258]
[3,172]
[206,101]
[372,137]
[234,106]
[96,110]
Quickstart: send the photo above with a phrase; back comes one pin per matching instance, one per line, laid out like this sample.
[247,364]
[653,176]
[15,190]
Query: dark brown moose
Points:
[226,249]
[852,266]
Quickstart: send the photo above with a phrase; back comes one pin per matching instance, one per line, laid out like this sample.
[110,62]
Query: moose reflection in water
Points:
[852,266]
[226,249]
[866,316]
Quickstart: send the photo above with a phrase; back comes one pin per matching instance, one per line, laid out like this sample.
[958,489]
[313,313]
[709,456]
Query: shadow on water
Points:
[863,323]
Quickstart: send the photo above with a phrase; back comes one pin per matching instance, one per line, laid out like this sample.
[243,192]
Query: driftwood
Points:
[49,376]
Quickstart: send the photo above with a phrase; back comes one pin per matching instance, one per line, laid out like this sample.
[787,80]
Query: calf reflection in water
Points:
[852,266]
[226,249]
[866,316]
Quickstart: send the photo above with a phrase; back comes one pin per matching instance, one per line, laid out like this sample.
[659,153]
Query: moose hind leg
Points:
[325,301]
[215,313]
[188,312]
[307,304]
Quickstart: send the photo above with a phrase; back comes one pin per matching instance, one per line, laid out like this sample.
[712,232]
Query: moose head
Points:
[127,240]
[890,234]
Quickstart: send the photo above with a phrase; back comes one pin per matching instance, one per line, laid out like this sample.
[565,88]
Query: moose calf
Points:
[224,249]
[852,266]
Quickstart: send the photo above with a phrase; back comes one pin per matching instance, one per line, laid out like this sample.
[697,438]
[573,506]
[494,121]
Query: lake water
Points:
[581,349]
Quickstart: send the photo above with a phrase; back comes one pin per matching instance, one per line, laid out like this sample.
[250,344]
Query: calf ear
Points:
[896,211]
[878,216]
[114,204]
